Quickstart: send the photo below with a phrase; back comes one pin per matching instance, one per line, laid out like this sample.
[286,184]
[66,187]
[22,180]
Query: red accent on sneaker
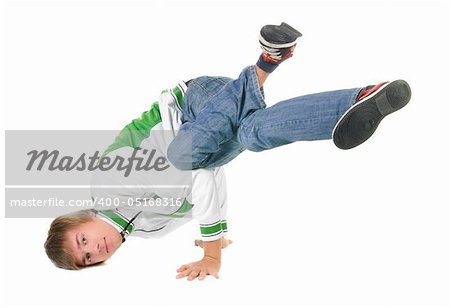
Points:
[268,58]
[288,54]
[369,90]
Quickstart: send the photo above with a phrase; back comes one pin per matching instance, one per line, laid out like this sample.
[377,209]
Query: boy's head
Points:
[80,239]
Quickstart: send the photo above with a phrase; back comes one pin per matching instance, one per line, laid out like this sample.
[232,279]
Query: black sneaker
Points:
[373,103]
[278,44]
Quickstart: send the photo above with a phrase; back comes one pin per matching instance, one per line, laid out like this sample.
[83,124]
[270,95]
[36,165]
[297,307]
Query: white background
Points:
[313,225]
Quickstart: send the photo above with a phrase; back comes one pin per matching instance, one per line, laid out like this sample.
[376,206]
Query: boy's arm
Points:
[207,206]
[221,187]
[207,212]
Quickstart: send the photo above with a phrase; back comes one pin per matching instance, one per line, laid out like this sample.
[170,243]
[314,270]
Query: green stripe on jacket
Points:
[138,130]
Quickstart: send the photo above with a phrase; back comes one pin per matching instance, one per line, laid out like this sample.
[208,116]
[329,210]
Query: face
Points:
[93,242]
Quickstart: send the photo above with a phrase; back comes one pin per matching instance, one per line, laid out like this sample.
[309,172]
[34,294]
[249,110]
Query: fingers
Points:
[188,272]
[183,272]
[200,269]
[181,275]
[226,242]
[198,243]
[182,268]
[192,273]
[202,275]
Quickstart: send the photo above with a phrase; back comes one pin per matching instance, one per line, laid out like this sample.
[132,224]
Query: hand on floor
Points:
[200,269]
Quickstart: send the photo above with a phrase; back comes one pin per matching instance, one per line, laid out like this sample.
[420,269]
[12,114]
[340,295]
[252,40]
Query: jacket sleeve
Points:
[221,186]
[207,208]
[170,113]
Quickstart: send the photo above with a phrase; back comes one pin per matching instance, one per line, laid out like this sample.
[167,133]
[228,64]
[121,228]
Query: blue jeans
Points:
[226,117]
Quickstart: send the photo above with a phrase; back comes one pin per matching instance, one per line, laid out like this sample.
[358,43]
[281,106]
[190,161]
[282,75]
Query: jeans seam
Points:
[256,87]
[277,125]
[201,163]
[281,124]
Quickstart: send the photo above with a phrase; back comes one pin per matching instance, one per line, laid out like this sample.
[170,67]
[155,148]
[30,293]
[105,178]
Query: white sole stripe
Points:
[359,103]
[271,45]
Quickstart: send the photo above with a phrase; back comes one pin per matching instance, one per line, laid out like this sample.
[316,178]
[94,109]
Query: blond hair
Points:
[55,245]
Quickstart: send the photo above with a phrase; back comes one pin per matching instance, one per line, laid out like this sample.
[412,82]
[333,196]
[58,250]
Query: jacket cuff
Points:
[213,231]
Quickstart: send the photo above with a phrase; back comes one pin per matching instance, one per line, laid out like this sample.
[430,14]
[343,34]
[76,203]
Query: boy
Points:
[209,121]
